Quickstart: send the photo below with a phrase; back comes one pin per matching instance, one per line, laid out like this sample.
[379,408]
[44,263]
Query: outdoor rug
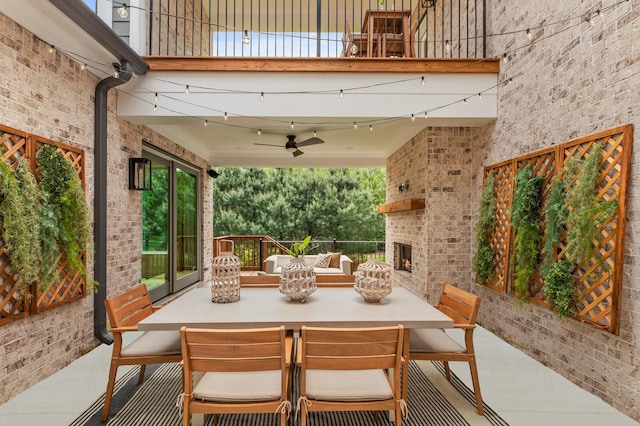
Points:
[154,403]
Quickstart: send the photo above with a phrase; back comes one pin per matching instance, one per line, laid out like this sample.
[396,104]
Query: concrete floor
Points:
[521,390]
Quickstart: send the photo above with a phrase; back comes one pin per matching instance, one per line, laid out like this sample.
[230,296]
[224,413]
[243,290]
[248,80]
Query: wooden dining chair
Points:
[359,40]
[151,347]
[245,371]
[436,345]
[350,369]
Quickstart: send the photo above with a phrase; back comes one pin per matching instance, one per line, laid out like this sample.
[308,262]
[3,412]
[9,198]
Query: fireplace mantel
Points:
[405,205]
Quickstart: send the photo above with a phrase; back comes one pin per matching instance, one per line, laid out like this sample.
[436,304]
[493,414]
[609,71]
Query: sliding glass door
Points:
[170,224]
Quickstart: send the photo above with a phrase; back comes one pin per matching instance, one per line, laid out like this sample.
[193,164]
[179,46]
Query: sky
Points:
[91,4]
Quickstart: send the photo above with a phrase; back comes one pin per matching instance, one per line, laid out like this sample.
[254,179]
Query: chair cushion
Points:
[239,386]
[335,260]
[348,385]
[322,261]
[433,340]
[154,343]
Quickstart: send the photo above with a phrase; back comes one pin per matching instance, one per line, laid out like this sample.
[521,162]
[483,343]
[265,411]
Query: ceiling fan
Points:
[293,146]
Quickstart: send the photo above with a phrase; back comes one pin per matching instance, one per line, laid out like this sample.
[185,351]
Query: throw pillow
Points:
[335,260]
[322,261]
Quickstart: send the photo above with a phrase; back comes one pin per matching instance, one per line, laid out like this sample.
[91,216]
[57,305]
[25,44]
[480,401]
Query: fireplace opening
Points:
[402,257]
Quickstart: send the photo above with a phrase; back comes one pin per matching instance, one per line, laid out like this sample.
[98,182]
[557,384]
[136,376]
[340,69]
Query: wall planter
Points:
[483,259]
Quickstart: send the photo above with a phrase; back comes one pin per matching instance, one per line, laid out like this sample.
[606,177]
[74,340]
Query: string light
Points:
[83,67]
[116,74]
[51,48]
[341,94]
[206,122]
[413,117]
[226,117]
[155,107]
[529,34]
[370,128]
[355,125]
[315,133]
[292,126]
[480,96]
[261,96]
[259,132]
[245,37]
[155,98]
[426,115]
[465,102]
[122,11]
[423,82]
[505,57]
[447,46]
[186,90]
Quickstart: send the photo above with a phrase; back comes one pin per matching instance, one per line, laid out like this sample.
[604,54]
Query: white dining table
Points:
[267,307]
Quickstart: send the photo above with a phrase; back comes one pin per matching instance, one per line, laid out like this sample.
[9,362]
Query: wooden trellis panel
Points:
[13,305]
[500,239]
[543,163]
[70,286]
[599,282]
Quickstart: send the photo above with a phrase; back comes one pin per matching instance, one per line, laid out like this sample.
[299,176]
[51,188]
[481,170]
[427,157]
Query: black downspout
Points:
[100,199]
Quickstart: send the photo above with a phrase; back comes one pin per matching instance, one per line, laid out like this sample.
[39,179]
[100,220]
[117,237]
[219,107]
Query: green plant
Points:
[19,209]
[556,214]
[558,287]
[524,219]
[64,219]
[298,248]
[587,212]
[483,259]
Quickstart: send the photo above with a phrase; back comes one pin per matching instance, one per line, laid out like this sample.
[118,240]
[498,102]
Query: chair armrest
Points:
[124,329]
[288,345]
[299,352]
[345,264]
[464,326]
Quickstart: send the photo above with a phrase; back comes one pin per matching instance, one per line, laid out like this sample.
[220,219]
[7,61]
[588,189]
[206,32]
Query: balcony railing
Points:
[318,28]
[254,249]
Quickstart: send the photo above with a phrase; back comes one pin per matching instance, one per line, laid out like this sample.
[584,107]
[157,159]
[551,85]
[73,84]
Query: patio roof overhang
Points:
[380,96]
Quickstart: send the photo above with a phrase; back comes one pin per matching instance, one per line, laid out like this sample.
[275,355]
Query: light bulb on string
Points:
[186,90]
[226,117]
[341,94]
[261,96]
[355,125]
[315,133]
[122,11]
[206,122]
[505,58]
[465,102]
[83,67]
[155,98]
[426,115]
[245,37]
[529,34]
[259,132]
[155,107]
[370,128]
[292,126]
[510,80]
[51,48]
[423,82]
[413,117]
[479,95]
[116,74]
[447,46]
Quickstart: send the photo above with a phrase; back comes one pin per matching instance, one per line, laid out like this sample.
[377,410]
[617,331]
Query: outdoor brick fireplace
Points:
[402,257]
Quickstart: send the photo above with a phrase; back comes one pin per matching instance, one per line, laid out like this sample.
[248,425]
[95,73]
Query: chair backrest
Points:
[351,348]
[259,349]
[458,304]
[130,307]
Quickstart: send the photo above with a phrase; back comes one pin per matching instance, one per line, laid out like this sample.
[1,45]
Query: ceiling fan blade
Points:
[297,152]
[267,144]
[311,141]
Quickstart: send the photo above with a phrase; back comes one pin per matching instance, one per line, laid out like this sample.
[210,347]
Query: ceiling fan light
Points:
[291,146]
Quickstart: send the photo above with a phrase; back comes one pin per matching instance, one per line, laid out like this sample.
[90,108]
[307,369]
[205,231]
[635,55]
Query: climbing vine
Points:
[524,219]
[483,259]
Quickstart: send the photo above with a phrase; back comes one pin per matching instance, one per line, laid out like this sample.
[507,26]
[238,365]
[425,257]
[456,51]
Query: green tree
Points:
[289,204]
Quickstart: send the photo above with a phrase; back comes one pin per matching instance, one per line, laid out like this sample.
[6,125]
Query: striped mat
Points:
[153,403]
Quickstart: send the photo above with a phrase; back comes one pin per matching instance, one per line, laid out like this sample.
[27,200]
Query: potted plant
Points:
[297,279]
[298,248]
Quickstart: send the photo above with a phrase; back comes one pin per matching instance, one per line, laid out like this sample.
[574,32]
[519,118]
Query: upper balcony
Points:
[311,28]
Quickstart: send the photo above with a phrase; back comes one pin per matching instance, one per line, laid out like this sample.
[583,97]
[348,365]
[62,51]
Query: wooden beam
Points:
[370,65]
[407,204]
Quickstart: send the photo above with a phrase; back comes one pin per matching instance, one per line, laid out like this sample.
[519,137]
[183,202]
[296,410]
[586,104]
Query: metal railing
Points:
[254,249]
[314,28]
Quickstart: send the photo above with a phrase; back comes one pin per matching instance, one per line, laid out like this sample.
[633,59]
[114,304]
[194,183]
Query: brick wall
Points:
[50,96]
[570,85]
[437,165]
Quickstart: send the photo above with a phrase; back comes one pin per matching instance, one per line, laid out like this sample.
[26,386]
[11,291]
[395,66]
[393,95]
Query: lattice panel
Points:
[12,304]
[542,164]
[70,286]
[500,239]
[598,283]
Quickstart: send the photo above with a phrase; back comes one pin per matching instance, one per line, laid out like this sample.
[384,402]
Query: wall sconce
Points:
[403,186]
[140,174]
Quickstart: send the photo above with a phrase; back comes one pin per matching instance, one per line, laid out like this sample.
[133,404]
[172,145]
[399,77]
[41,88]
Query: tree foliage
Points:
[483,259]
[289,204]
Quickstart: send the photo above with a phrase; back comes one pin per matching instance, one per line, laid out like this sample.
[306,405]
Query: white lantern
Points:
[297,280]
[225,271]
[373,280]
